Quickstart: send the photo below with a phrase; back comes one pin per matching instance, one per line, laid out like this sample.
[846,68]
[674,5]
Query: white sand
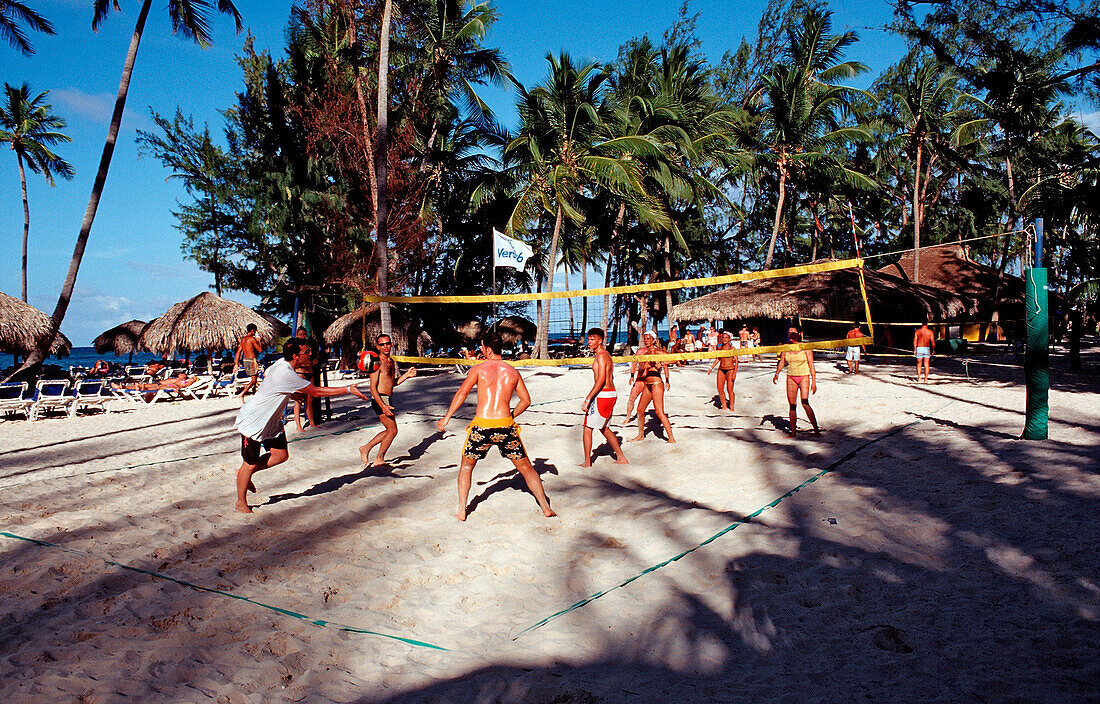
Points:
[947,562]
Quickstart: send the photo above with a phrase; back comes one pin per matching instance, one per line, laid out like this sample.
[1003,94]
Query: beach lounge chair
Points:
[131,398]
[51,395]
[89,393]
[203,387]
[12,398]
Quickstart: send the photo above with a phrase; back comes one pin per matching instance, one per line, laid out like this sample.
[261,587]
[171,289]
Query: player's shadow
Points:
[510,480]
[335,483]
[418,450]
[777,422]
[653,425]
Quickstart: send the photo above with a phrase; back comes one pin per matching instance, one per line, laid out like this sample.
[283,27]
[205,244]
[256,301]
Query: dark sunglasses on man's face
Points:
[384,344]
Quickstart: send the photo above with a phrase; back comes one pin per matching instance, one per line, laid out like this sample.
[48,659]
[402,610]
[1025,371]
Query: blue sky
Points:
[133,267]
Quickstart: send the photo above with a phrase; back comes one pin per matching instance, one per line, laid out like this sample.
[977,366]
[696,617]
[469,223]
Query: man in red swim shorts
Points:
[599,404]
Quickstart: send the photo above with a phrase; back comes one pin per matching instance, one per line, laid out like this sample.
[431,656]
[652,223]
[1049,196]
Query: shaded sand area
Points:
[928,556]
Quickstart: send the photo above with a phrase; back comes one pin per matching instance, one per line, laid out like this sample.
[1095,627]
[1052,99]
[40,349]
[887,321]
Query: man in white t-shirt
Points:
[260,421]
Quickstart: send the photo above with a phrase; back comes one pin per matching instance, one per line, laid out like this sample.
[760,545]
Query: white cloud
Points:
[98,107]
[1091,120]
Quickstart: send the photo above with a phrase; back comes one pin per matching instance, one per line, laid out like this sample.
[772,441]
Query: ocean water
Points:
[87,356]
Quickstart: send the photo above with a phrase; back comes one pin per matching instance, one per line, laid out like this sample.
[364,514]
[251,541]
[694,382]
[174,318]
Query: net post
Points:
[1037,355]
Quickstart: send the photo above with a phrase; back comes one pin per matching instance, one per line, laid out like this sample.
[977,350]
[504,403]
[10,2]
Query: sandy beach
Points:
[926,556]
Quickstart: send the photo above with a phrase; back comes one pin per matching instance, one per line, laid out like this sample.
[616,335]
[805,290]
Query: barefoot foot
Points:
[548,512]
[243,507]
[461,515]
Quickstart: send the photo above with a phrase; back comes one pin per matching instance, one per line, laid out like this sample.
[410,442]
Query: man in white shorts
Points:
[599,404]
[852,355]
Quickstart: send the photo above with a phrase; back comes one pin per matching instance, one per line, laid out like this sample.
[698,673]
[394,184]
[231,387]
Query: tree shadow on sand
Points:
[999,604]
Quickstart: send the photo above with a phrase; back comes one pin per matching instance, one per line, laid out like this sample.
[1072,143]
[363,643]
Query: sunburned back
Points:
[496,382]
[924,338]
[250,347]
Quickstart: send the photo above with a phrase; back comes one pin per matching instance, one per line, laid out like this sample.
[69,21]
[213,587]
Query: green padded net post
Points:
[1037,357]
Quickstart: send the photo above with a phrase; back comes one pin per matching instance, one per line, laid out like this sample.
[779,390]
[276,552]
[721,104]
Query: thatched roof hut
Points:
[121,339]
[470,331]
[948,268]
[513,329]
[22,326]
[346,331]
[207,322]
[827,294]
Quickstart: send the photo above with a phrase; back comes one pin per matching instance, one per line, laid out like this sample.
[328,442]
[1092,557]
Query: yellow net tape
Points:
[636,288]
[680,356]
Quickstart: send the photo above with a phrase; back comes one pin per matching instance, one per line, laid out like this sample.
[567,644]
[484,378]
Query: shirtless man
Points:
[924,346]
[599,404]
[744,338]
[494,422]
[852,355]
[727,372]
[248,352]
[382,380]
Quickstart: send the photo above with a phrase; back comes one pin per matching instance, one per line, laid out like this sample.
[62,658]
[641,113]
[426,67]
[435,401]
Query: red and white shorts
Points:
[600,410]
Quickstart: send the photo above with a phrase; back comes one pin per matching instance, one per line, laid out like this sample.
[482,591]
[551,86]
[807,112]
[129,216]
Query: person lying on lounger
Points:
[175,383]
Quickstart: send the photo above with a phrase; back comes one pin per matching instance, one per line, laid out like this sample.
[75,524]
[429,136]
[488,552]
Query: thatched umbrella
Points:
[121,339]
[514,328]
[828,294]
[23,325]
[346,332]
[207,323]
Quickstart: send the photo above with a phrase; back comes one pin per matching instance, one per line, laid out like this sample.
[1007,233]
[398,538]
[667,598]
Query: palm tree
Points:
[932,114]
[31,129]
[190,19]
[803,110]
[558,152]
[381,165]
[12,12]
[454,62]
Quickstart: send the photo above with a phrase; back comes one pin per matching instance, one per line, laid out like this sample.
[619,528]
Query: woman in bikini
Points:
[727,372]
[653,388]
[637,370]
[801,380]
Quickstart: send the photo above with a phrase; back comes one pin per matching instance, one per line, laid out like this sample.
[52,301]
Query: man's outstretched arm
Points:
[459,398]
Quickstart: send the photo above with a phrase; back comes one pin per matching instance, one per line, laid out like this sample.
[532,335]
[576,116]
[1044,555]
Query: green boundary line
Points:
[719,534]
[285,612]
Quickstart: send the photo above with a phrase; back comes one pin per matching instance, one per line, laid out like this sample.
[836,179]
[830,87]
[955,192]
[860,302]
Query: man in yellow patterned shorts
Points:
[494,422]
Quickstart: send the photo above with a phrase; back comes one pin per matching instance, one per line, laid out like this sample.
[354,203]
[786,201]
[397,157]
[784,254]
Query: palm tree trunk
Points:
[381,166]
[26,219]
[778,215]
[543,334]
[916,218]
[569,301]
[668,275]
[44,343]
[361,96]
[217,254]
[610,259]
[994,319]
[584,299]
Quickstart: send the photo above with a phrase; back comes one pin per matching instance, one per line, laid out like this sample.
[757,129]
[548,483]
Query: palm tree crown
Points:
[28,126]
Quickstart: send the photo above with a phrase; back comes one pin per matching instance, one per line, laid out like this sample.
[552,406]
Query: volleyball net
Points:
[568,319]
